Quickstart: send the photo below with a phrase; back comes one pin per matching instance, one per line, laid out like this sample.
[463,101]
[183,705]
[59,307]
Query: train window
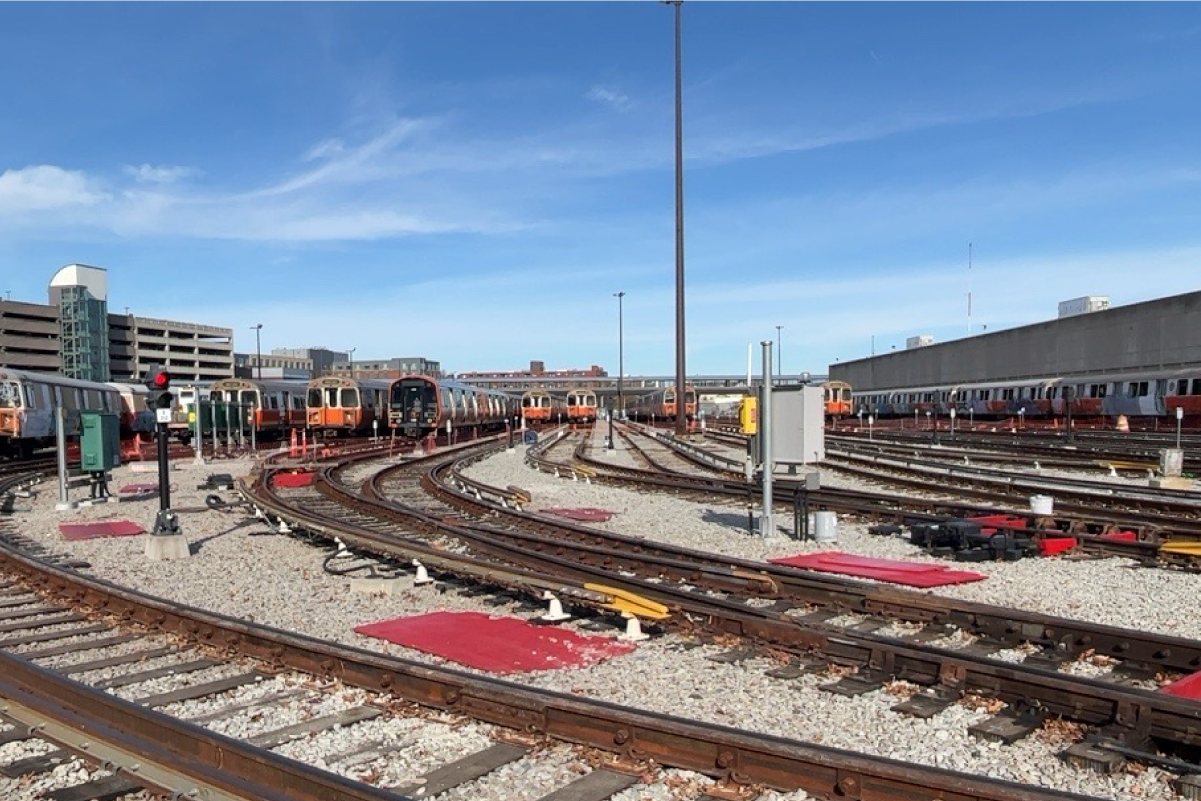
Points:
[314,397]
[1196,387]
[298,402]
[1137,389]
[273,401]
[10,395]
[1052,392]
[331,396]
[350,398]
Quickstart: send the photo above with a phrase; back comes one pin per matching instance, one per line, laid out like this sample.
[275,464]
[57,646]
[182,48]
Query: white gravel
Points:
[245,569]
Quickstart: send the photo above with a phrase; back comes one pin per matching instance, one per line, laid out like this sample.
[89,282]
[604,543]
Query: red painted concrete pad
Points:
[912,574]
[293,479]
[495,644]
[586,514]
[138,489]
[109,528]
[1188,687]
[1127,536]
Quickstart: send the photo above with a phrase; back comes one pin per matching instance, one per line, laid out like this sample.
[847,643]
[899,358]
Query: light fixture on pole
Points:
[681,397]
[258,349]
[952,422]
[779,352]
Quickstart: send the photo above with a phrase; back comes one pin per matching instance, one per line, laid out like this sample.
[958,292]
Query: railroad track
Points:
[195,705]
[792,610]
[1089,530]
[1094,445]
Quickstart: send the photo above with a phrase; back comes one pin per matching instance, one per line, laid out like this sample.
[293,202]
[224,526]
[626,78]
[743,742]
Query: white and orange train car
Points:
[581,406]
[539,407]
[661,404]
[347,406]
[271,407]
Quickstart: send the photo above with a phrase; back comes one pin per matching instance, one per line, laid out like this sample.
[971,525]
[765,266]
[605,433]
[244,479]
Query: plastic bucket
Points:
[825,527]
[1042,504]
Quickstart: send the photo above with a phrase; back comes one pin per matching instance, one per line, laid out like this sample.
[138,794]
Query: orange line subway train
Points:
[419,405]
[1150,393]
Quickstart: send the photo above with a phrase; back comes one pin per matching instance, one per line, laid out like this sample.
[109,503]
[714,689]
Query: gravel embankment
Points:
[242,567]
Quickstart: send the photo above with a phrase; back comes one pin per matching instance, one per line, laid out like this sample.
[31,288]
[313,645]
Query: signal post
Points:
[166,541]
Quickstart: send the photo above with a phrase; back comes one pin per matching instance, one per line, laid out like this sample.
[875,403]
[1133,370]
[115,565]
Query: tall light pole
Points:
[779,351]
[681,405]
[621,371]
[258,348]
[350,357]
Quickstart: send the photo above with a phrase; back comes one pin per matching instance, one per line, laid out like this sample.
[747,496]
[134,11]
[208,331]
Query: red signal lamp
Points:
[162,380]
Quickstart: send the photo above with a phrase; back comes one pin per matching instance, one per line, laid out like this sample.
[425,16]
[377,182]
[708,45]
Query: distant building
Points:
[321,359]
[81,294]
[1084,305]
[918,341]
[246,365]
[388,368]
[1159,334]
[189,351]
[29,337]
[538,370]
[75,335]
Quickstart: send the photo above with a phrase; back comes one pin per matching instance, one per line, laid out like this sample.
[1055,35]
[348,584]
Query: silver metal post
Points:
[213,417]
[681,407]
[1179,419]
[60,437]
[229,426]
[765,525]
[199,437]
[254,446]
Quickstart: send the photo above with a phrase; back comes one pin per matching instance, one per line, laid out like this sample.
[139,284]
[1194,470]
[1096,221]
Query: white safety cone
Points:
[258,513]
[283,527]
[555,613]
[1038,466]
[1113,471]
[633,632]
[423,576]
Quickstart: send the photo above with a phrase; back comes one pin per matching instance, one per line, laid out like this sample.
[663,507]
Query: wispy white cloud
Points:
[325,149]
[44,188]
[609,96]
[150,173]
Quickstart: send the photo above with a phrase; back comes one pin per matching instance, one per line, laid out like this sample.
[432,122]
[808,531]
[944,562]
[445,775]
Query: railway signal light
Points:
[158,382]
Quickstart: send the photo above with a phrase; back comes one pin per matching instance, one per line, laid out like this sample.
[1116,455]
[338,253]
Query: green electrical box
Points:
[99,443]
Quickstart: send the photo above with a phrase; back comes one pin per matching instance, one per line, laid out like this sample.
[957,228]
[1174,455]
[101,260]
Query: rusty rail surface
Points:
[639,738]
[1134,717]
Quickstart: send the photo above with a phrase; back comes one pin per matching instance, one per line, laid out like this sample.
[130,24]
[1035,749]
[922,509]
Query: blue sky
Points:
[473,182]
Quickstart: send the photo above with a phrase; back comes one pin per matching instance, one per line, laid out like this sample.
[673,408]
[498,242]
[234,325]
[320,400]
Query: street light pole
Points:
[621,369]
[350,353]
[681,398]
[779,351]
[258,349]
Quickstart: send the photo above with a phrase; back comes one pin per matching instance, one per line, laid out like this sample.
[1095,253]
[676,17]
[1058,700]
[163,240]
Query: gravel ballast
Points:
[242,567]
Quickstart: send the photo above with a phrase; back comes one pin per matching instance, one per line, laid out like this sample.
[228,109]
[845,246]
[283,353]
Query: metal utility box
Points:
[99,441]
[798,425]
[748,415]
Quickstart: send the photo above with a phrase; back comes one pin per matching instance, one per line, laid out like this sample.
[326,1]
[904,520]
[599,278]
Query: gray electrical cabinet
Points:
[798,425]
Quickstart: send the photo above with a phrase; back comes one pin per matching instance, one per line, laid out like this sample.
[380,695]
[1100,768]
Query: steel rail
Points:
[1133,715]
[736,757]
[157,751]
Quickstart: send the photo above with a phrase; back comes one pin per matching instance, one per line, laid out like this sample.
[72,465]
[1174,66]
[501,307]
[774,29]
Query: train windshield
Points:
[314,398]
[690,396]
[413,396]
[10,395]
[350,398]
[250,398]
